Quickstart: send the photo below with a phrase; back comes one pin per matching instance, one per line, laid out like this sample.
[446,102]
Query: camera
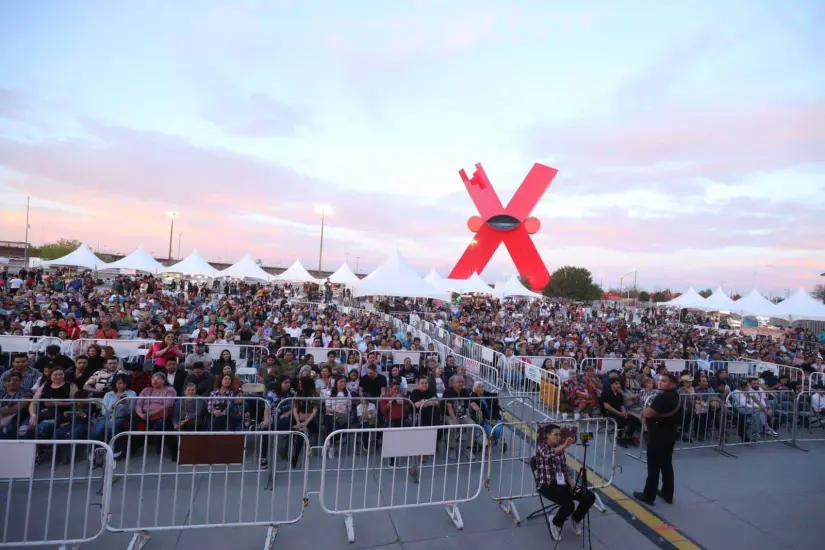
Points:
[585,437]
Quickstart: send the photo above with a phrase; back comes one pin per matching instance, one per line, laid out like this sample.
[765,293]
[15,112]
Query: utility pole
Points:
[26,253]
[179,236]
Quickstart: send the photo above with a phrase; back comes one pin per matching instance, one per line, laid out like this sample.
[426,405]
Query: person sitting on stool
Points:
[555,483]
[661,421]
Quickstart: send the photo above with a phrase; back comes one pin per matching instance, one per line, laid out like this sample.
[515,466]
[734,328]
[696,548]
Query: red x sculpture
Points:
[512,225]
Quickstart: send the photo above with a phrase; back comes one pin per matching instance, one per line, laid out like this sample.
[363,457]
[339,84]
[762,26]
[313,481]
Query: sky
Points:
[689,137]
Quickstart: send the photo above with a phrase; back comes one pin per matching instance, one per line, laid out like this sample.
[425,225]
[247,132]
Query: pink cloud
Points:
[255,115]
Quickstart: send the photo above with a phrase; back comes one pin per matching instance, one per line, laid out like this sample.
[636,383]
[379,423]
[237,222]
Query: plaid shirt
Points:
[548,465]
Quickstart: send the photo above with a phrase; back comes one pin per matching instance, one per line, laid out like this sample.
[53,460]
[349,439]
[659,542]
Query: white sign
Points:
[533,373]
[409,442]
[18,459]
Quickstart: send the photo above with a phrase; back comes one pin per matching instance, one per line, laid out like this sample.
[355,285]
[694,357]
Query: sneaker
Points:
[452,456]
[555,531]
[264,463]
[331,454]
[577,526]
[98,457]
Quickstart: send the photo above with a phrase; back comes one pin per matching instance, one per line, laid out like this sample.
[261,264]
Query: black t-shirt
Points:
[429,415]
[372,386]
[664,403]
[460,406]
[410,376]
[615,400]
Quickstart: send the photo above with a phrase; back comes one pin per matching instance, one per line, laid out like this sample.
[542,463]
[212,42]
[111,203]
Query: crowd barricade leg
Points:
[210,482]
[411,472]
[809,424]
[510,475]
[49,503]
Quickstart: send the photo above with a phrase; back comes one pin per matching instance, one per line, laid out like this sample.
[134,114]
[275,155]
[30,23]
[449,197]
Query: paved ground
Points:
[769,497]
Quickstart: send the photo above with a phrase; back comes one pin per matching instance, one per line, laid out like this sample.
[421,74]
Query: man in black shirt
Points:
[372,384]
[661,417]
[425,401]
[458,404]
[612,402]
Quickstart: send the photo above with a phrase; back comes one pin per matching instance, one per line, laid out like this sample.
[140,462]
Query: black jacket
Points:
[180,378]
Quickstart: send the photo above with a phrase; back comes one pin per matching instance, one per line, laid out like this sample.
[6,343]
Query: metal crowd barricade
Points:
[60,508]
[356,413]
[810,423]
[678,366]
[124,349]
[794,374]
[556,362]
[412,473]
[602,365]
[55,421]
[27,344]
[211,482]
[760,417]
[525,380]
[244,355]
[816,379]
[509,475]
[320,355]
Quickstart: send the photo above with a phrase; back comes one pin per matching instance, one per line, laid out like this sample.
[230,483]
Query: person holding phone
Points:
[554,482]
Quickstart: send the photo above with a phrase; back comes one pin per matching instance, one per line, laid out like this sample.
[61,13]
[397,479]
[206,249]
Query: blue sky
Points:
[689,139]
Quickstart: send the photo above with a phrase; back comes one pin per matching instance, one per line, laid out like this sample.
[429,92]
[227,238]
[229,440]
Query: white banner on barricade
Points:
[52,502]
[413,472]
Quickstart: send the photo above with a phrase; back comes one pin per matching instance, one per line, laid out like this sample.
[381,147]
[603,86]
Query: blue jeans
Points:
[492,433]
[104,430]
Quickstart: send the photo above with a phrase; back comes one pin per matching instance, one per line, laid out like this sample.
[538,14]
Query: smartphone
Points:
[569,430]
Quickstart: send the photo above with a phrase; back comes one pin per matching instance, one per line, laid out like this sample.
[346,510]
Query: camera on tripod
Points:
[585,438]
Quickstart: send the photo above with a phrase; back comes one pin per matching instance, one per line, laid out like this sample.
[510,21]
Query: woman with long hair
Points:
[224,359]
[337,410]
[53,416]
[225,408]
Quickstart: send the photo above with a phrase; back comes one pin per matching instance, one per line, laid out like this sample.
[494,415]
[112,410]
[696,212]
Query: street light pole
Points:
[179,237]
[357,262]
[322,209]
[172,215]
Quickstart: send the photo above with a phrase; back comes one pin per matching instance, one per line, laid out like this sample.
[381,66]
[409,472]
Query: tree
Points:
[819,293]
[573,282]
[659,297]
[57,249]
[644,296]
[525,282]
[705,293]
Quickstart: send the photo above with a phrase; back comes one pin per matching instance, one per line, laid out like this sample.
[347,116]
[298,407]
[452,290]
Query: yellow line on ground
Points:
[664,530]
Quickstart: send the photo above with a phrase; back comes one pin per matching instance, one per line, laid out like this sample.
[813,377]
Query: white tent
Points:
[689,300]
[472,285]
[719,301]
[296,274]
[82,256]
[344,276]
[246,268]
[801,307]
[754,304]
[139,260]
[396,278]
[4,260]
[193,264]
[435,280]
[513,287]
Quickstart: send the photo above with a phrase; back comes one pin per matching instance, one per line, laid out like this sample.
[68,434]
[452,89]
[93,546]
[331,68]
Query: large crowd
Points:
[208,355]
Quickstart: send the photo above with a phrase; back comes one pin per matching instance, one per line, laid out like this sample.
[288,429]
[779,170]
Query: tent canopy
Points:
[82,256]
[754,304]
[513,287]
[396,278]
[472,285]
[246,268]
[689,300]
[344,276]
[296,274]
[193,264]
[139,260]
[801,307]
[719,301]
